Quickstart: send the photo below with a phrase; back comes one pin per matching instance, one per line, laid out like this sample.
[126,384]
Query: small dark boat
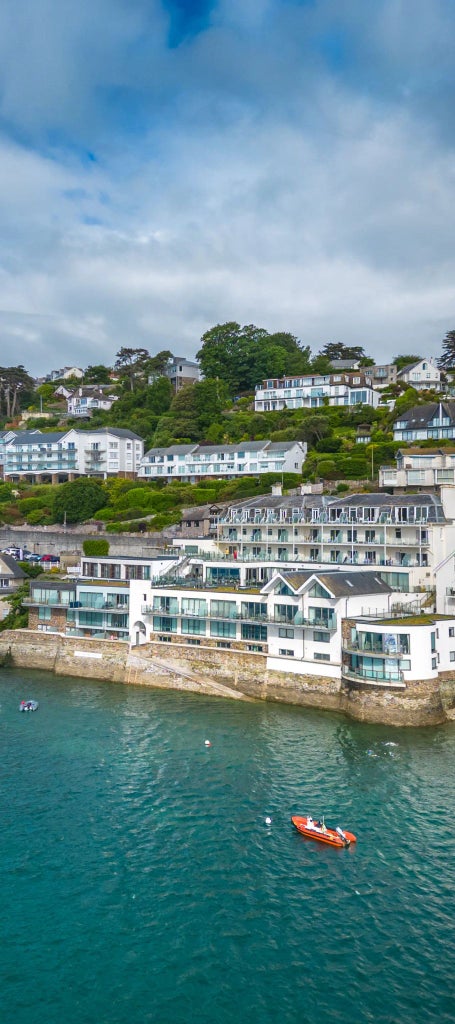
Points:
[28,705]
[318,830]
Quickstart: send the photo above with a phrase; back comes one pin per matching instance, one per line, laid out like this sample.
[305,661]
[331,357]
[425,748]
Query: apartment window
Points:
[193,641]
[451,631]
[44,614]
[163,624]
[193,626]
[434,663]
[286,634]
[321,657]
[452,655]
[225,609]
[433,642]
[223,645]
[286,652]
[321,638]
[250,631]
[223,629]
[165,639]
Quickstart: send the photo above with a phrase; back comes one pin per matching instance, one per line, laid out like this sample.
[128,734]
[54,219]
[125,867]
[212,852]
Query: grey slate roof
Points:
[421,415]
[341,584]
[10,563]
[29,437]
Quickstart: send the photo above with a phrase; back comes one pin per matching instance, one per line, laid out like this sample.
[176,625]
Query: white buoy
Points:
[268,821]
[208,743]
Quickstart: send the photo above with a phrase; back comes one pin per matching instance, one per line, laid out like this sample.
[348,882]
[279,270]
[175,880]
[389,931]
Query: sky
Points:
[167,165]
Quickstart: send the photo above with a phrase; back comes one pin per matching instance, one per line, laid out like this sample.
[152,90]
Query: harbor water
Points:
[140,881]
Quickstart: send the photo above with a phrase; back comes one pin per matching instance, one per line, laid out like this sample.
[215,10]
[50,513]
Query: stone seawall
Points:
[225,673]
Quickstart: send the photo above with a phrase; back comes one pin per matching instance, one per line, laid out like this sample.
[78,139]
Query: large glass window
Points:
[164,624]
[253,610]
[194,606]
[225,609]
[168,605]
[285,612]
[197,626]
[223,629]
[250,631]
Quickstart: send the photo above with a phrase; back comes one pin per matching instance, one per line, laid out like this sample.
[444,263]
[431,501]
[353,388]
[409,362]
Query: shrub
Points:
[96,546]
[40,517]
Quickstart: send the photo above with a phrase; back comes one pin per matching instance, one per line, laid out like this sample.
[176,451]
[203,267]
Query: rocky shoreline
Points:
[226,674]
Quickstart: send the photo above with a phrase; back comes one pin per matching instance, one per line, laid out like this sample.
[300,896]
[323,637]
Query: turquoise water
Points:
[140,882]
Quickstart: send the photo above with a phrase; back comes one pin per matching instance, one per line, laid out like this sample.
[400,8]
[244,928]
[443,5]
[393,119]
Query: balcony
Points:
[34,602]
[329,625]
[377,651]
[368,677]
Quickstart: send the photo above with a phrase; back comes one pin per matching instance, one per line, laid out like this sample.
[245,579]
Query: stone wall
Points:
[227,673]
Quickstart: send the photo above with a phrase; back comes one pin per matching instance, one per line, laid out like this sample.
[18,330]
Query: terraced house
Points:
[192,462]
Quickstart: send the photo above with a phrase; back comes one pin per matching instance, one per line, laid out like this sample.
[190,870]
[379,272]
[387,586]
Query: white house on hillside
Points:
[85,399]
[313,391]
[191,462]
[422,375]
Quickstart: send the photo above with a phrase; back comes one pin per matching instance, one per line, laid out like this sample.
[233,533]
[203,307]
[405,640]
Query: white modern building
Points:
[64,455]
[192,462]
[313,391]
[398,651]
[295,618]
[182,371]
[404,536]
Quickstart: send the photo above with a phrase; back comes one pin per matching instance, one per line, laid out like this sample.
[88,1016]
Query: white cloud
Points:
[261,186]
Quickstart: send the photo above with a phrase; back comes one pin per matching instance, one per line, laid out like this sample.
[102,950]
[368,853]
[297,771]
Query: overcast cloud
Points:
[166,166]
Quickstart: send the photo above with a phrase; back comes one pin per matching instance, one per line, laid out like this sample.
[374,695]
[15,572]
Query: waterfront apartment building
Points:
[419,468]
[64,455]
[192,462]
[89,608]
[334,624]
[313,391]
[405,536]
[295,618]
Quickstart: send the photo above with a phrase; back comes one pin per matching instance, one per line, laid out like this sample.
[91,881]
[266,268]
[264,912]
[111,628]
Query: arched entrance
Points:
[138,634]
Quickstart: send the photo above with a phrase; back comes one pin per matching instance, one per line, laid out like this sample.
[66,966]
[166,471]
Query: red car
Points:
[50,558]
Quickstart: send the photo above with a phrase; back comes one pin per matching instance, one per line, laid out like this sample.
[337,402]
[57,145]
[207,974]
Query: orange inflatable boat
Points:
[318,830]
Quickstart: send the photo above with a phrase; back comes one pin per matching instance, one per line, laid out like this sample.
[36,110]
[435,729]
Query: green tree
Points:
[17,617]
[244,356]
[76,501]
[158,364]
[16,390]
[446,360]
[97,374]
[131,365]
[405,360]
[336,350]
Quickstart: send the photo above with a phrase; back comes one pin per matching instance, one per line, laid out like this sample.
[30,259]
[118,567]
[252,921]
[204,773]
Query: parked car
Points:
[54,559]
[14,552]
[32,558]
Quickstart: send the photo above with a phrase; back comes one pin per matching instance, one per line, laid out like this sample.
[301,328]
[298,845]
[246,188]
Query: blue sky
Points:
[168,165]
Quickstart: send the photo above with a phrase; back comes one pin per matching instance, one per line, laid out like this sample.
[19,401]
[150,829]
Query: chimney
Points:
[277,490]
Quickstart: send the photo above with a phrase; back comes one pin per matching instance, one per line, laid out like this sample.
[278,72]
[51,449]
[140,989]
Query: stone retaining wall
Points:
[227,673]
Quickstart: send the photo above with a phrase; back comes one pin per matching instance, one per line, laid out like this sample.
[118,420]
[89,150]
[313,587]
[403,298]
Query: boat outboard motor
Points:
[339,831]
